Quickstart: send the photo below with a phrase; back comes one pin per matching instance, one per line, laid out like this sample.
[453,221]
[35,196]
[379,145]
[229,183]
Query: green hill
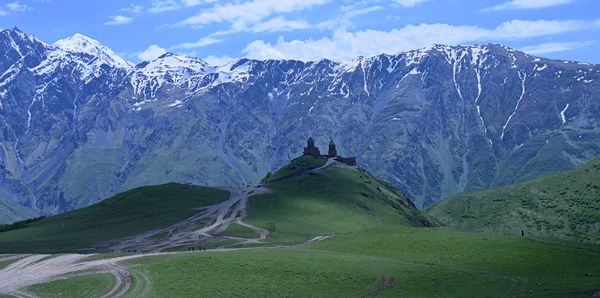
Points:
[125,214]
[564,205]
[302,203]
[336,199]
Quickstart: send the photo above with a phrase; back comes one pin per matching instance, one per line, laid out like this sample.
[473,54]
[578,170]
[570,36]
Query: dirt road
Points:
[201,228]
[35,269]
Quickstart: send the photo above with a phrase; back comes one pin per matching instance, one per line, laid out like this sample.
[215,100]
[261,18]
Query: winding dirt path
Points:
[122,280]
[36,269]
[200,228]
[11,257]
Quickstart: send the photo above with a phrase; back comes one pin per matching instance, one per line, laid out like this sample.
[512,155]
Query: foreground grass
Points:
[125,214]
[91,285]
[559,267]
[414,262]
[564,205]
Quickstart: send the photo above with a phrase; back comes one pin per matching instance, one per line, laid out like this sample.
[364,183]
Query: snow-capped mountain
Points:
[80,124]
[82,44]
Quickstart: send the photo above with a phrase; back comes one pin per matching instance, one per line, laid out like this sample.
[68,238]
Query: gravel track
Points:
[188,233]
[37,269]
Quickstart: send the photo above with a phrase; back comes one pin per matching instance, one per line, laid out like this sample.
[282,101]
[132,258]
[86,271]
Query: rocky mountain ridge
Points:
[80,125]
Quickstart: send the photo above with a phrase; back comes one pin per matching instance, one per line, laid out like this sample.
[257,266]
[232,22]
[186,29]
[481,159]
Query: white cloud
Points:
[135,9]
[206,41]
[163,5]
[349,13]
[8,8]
[240,15]
[523,29]
[119,20]
[280,24]
[151,53]
[409,3]
[190,3]
[248,16]
[272,25]
[551,47]
[346,45]
[168,5]
[523,4]
[15,6]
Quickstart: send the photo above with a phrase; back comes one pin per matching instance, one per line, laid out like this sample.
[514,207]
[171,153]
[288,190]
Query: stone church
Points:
[312,150]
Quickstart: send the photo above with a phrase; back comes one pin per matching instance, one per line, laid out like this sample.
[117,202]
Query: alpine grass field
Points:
[333,231]
[564,205]
[414,262]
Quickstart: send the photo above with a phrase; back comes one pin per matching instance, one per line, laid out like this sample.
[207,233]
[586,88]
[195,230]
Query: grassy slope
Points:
[298,165]
[563,205]
[424,262]
[336,200]
[92,285]
[125,214]
[237,230]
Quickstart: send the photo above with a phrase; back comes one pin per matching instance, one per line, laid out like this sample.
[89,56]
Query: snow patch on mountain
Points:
[149,77]
[234,71]
[562,114]
[80,43]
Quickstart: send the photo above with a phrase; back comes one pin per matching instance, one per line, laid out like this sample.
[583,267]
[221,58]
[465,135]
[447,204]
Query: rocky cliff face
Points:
[79,123]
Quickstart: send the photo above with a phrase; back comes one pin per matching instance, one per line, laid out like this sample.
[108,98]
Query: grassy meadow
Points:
[126,214]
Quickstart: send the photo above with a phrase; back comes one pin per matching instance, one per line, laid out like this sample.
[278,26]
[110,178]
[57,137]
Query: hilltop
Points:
[337,199]
[564,205]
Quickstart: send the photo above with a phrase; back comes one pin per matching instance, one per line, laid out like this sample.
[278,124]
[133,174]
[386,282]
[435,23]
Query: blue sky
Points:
[312,29]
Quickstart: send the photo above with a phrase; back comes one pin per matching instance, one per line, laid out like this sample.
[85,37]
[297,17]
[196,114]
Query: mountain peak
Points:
[171,57]
[169,61]
[79,43]
[17,34]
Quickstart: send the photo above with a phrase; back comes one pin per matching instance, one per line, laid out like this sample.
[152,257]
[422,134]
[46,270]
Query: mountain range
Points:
[79,123]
